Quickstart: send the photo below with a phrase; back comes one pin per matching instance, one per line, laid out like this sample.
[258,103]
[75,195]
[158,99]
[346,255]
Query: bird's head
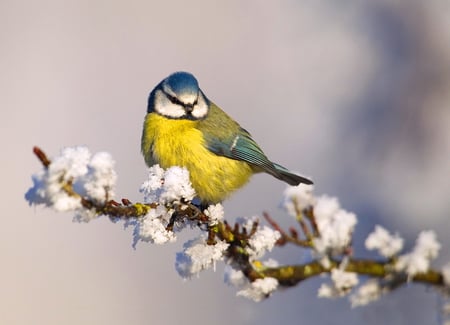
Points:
[178,97]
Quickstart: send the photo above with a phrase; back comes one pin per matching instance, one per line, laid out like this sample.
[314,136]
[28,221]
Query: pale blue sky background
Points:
[355,94]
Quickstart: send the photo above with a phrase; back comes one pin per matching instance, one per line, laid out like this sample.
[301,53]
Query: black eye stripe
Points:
[176,101]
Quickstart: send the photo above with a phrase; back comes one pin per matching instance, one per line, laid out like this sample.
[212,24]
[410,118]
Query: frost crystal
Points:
[215,213]
[167,186]
[343,282]
[366,293]
[162,187]
[387,245]
[259,289]
[177,185]
[93,177]
[256,290]
[47,188]
[235,277]
[271,263]
[263,240]
[427,244]
[297,198]
[197,256]
[72,163]
[152,227]
[84,215]
[335,226]
[101,178]
[418,261]
[327,291]
[152,187]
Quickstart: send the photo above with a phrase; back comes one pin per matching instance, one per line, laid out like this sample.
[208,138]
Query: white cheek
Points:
[165,107]
[170,110]
[201,109]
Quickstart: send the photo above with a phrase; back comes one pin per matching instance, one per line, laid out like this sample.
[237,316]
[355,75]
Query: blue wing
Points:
[225,137]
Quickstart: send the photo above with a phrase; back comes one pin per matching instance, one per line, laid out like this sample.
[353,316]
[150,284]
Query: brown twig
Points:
[285,237]
[41,156]
[309,214]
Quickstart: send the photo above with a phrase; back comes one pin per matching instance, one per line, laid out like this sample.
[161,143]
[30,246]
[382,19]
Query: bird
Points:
[182,127]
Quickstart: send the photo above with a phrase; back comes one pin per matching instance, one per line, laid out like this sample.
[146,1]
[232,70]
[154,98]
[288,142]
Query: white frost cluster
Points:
[166,186]
[343,283]
[197,256]
[234,277]
[152,227]
[297,198]
[256,290]
[418,261]
[386,244]
[92,176]
[366,293]
[259,289]
[335,226]
[162,187]
[262,241]
[215,213]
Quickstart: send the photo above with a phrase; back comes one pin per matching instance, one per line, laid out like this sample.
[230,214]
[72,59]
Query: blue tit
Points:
[184,128]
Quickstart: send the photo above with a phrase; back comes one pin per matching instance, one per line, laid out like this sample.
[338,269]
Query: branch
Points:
[242,244]
[290,275]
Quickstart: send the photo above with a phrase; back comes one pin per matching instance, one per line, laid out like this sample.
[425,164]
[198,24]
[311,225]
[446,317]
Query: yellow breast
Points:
[179,143]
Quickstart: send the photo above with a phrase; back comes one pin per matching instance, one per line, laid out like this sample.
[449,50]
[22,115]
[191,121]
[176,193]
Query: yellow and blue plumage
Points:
[184,128]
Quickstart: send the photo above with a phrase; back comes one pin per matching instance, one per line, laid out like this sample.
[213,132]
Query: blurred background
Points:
[353,93]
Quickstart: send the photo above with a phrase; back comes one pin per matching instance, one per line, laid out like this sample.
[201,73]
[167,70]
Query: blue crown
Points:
[182,83]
